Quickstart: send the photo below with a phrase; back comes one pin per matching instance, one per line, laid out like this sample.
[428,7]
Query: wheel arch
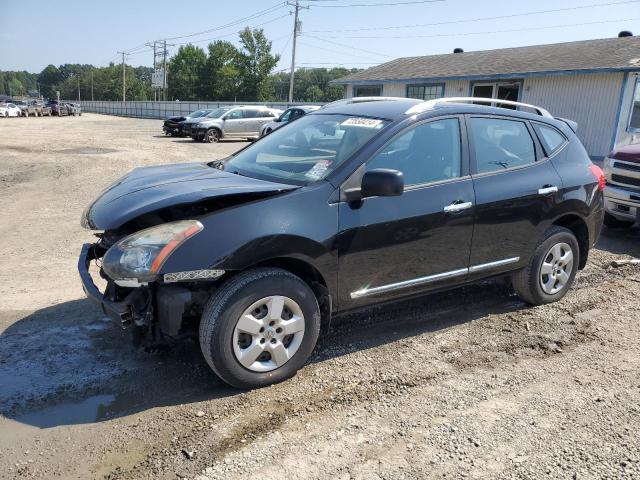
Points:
[578,227]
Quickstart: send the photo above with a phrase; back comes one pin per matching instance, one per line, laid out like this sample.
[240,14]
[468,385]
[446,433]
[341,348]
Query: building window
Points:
[501,90]
[634,118]
[367,91]
[425,92]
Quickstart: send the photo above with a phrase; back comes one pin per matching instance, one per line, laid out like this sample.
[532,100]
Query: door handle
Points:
[547,189]
[457,206]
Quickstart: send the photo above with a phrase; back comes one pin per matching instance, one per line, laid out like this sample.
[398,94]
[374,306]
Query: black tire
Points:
[228,303]
[526,282]
[612,222]
[212,135]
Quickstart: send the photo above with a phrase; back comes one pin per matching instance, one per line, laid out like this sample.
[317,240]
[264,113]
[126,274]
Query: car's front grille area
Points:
[625,180]
[627,166]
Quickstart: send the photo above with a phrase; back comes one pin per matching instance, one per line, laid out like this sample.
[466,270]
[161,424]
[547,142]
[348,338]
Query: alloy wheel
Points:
[268,333]
[556,268]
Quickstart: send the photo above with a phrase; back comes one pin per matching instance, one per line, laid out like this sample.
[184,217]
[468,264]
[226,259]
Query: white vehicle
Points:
[10,110]
[288,116]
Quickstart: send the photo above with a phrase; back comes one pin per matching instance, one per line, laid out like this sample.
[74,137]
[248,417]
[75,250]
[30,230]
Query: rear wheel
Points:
[212,136]
[612,222]
[551,270]
[260,327]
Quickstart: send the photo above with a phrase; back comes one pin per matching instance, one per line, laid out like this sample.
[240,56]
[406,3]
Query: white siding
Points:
[623,136]
[591,100]
[456,88]
[349,90]
[394,90]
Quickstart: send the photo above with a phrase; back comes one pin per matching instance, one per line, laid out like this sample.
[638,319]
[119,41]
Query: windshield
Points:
[306,150]
[199,113]
[217,113]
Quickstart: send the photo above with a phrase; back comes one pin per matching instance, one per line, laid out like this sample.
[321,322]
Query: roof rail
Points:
[421,107]
[348,101]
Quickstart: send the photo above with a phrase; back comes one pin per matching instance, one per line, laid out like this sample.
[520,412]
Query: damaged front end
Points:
[154,306]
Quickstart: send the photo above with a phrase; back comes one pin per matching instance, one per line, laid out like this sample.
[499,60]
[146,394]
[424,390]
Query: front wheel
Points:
[551,269]
[260,327]
[212,136]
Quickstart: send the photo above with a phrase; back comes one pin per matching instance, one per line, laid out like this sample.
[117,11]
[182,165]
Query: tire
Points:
[212,136]
[612,222]
[221,343]
[529,283]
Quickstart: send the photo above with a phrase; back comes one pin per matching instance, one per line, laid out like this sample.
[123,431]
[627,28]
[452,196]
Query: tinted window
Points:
[500,144]
[425,92]
[427,153]
[252,113]
[367,91]
[551,138]
[286,115]
[266,114]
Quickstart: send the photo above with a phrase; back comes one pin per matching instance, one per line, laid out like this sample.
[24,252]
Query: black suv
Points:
[361,202]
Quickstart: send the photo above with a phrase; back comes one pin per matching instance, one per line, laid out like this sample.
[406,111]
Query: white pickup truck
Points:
[622,193]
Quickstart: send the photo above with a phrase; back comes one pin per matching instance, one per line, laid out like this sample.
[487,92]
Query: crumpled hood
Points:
[148,189]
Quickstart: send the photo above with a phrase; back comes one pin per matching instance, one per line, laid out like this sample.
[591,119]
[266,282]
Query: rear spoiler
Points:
[572,125]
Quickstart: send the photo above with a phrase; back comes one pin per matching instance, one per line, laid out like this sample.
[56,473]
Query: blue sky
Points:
[34,33]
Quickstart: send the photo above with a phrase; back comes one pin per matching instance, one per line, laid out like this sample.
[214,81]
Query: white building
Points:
[594,82]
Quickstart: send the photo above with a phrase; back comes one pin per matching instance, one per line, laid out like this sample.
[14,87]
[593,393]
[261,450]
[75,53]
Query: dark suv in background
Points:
[361,202]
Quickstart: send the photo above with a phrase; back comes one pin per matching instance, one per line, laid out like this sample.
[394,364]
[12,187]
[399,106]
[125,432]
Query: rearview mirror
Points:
[382,182]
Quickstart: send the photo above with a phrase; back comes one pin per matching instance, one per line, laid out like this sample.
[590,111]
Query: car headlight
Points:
[607,165]
[140,255]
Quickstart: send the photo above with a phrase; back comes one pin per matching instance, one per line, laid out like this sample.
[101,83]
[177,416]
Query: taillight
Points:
[599,174]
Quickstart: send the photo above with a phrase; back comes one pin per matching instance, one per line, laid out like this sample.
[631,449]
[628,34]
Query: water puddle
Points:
[90,410]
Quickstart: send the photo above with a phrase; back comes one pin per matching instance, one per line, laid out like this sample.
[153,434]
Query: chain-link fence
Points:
[165,109]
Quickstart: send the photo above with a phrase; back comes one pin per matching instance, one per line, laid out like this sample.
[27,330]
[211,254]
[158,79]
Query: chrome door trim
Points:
[490,265]
[368,291]
[391,287]
[547,190]
[457,207]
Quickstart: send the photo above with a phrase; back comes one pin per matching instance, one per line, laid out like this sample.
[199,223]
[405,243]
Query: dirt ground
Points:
[470,383]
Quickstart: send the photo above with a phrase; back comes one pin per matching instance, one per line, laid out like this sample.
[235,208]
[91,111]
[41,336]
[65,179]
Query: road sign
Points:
[157,78]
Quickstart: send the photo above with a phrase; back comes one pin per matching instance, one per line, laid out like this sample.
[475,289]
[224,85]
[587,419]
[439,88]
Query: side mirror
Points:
[382,182]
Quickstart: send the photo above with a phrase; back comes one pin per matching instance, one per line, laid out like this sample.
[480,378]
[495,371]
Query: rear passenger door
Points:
[516,192]
[235,123]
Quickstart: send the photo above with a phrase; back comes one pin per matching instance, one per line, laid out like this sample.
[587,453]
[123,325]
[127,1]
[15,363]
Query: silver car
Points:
[288,116]
[231,122]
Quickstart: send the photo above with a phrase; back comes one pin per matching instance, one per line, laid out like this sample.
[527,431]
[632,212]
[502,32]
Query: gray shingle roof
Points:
[603,54]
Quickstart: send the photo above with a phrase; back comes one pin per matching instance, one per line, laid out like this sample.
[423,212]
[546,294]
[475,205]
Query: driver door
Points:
[396,246]
[234,123]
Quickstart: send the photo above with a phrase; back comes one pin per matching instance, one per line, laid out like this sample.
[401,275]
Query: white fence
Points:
[164,109]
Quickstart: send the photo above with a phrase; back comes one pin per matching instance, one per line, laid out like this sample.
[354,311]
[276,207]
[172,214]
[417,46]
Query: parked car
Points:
[173,125]
[358,203]
[288,116]
[45,110]
[231,122]
[74,109]
[23,106]
[57,108]
[622,193]
[10,110]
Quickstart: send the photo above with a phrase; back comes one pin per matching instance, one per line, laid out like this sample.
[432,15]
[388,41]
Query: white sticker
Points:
[361,122]
[318,170]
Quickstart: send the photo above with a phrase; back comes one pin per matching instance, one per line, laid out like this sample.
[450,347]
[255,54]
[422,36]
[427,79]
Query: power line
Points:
[413,2]
[478,19]
[351,47]
[462,34]
[334,51]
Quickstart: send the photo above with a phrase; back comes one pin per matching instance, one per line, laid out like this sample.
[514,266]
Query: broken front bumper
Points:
[118,311]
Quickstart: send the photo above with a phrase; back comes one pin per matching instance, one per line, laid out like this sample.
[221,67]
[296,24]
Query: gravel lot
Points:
[469,383]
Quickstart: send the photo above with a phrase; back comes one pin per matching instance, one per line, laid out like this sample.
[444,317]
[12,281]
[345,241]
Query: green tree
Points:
[255,64]
[186,72]
[47,79]
[221,75]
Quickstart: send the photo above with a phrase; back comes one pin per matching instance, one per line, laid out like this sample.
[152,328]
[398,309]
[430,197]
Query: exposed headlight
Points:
[140,255]
[607,166]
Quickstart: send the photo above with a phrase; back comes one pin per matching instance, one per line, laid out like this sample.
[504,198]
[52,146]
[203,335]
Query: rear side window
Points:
[550,138]
[500,144]
[252,113]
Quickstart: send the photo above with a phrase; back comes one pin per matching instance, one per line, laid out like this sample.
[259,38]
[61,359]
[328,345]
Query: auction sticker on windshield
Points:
[362,122]
[318,170]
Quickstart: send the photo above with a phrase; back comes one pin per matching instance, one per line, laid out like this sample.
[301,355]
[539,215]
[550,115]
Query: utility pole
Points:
[164,70]
[155,67]
[92,86]
[78,87]
[296,31]
[124,94]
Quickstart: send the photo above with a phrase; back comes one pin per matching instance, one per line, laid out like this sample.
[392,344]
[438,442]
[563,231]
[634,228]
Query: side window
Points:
[235,115]
[427,153]
[251,113]
[500,144]
[550,138]
[286,116]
